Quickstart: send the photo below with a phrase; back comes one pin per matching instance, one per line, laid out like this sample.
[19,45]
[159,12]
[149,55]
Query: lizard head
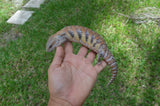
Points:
[54,41]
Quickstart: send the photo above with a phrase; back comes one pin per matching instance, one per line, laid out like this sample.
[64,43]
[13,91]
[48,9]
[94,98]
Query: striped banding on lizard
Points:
[87,38]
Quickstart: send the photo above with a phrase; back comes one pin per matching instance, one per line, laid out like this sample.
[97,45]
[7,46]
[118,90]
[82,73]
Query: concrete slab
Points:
[33,4]
[20,17]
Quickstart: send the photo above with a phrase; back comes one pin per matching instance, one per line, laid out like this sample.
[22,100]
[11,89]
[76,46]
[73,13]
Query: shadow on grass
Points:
[151,93]
[149,70]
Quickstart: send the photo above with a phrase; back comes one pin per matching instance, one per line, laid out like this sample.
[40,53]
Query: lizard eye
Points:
[50,46]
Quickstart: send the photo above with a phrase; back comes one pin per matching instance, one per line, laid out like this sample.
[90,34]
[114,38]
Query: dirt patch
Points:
[11,35]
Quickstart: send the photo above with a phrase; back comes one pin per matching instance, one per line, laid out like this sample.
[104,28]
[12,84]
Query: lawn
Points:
[136,48]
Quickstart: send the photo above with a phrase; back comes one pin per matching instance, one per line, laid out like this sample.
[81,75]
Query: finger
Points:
[58,57]
[91,56]
[82,51]
[100,67]
[68,47]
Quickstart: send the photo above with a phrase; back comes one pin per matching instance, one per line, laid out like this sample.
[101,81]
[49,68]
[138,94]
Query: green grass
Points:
[24,62]
[6,10]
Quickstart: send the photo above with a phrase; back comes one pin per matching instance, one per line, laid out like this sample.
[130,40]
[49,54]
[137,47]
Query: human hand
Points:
[71,77]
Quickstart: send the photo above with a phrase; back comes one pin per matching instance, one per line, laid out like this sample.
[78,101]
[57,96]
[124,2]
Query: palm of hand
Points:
[72,76]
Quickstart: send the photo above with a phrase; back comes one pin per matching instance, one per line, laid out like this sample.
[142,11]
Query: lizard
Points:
[87,38]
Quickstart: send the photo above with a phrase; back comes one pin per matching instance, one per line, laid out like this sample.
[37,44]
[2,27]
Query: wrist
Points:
[54,101]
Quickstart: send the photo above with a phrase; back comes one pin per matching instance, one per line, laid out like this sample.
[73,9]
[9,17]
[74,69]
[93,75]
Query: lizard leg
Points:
[100,54]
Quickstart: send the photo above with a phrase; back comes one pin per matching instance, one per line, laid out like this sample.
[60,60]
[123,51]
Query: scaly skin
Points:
[88,38]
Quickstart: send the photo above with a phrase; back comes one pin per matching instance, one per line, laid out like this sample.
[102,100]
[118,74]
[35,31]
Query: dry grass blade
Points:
[147,14]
